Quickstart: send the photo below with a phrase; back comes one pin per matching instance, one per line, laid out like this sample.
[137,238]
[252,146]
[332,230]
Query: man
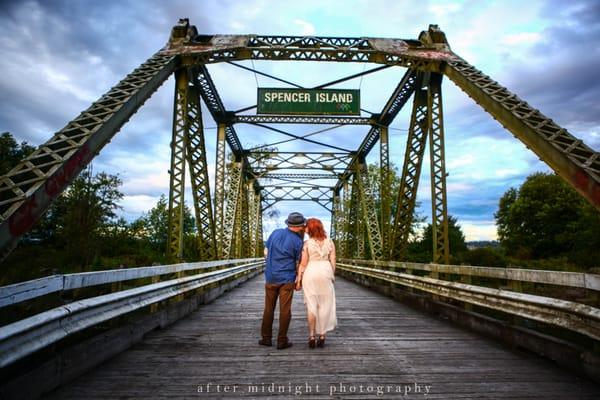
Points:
[283,252]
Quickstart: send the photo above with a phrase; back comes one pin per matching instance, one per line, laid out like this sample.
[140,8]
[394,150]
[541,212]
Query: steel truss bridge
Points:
[252,180]
[64,326]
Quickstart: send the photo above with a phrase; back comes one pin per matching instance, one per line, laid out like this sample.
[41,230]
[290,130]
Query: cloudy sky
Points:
[59,56]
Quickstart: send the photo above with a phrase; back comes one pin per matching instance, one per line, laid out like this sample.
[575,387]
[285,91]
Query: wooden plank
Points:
[379,342]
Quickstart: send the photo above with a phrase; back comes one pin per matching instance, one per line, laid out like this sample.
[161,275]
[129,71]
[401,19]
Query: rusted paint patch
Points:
[390,46]
[216,43]
[398,47]
[584,184]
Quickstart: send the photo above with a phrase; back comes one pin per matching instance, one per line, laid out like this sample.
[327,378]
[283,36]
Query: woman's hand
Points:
[298,282]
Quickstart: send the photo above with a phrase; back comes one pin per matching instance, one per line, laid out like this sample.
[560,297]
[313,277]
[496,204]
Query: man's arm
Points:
[267,244]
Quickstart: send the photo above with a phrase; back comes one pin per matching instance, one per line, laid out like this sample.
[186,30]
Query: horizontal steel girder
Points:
[205,49]
[300,176]
[301,119]
[269,161]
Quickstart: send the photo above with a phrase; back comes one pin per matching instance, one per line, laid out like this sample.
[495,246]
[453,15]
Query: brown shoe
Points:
[265,342]
[281,346]
[321,341]
[311,342]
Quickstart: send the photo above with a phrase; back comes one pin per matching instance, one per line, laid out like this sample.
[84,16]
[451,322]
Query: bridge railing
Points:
[534,281]
[577,317]
[29,335]
[551,313]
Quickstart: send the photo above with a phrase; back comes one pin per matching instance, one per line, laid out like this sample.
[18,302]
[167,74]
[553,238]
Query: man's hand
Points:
[298,282]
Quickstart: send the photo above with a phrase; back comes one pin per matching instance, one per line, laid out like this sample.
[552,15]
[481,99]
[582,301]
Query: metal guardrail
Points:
[560,278]
[29,335]
[18,292]
[573,316]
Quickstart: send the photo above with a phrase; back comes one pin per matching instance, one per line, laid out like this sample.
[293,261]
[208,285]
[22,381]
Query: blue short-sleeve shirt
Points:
[284,251]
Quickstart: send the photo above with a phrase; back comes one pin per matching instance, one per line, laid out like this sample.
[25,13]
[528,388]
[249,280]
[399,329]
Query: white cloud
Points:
[479,230]
[521,38]
[135,206]
[307,29]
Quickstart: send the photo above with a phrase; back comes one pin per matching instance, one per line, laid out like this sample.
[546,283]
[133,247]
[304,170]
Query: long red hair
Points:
[315,229]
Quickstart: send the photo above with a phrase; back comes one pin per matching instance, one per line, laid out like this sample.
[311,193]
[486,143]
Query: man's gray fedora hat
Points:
[295,219]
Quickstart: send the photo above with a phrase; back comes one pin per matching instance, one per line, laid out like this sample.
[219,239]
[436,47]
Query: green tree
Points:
[11,152]
[545,218]
[90,205]
[154,226]
[485,256]
[422,250]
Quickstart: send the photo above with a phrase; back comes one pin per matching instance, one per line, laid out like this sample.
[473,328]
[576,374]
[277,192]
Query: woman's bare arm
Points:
[301,267]
[303,259]
[332,257]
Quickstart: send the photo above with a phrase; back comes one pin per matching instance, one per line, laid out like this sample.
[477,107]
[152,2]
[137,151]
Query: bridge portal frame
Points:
[29,188]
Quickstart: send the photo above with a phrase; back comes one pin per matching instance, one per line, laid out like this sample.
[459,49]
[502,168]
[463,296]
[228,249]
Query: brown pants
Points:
[284,291]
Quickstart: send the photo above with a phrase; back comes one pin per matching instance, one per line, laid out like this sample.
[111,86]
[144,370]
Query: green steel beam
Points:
[411,173]
[439,206]
[569,157]
[385,186]
[220,190]
[34,183]
[177,171]
[196,159]
[234,182]
[369,212]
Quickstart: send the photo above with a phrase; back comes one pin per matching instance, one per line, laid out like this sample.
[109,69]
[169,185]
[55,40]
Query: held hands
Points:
[298,282]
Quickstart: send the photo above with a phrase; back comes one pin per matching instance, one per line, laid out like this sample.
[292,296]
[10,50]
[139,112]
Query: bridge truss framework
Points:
[230,223]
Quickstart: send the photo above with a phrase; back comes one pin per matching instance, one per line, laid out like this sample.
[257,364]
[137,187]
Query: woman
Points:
[316,277]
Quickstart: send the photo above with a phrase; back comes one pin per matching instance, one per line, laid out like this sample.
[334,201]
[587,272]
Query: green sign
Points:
[308,101]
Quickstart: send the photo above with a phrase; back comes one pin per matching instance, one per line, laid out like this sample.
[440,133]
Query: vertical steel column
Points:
[252,218]
[177,171]
[244,239]
[385,187]
[259,241]
[342,234]
[236,251]
[196,158]
[220,190]
[411,172]
[234,181]
[359,234]
[369,212]
[351,243]
[336,216]
[439,207]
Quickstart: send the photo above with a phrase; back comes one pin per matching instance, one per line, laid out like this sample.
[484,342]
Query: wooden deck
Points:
[380,345]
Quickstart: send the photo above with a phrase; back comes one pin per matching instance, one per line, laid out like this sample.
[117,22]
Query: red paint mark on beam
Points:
[31,210]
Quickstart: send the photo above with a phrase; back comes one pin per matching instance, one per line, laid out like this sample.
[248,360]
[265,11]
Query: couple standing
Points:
[294,264]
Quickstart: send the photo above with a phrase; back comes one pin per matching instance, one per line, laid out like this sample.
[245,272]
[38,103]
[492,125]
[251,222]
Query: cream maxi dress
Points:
[317,284]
